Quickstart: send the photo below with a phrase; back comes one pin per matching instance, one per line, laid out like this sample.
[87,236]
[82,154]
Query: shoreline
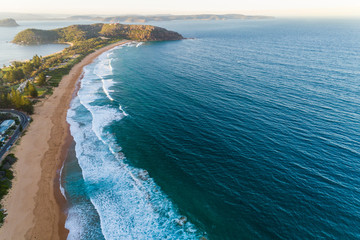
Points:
[70,44]
[35,203]
[67,43]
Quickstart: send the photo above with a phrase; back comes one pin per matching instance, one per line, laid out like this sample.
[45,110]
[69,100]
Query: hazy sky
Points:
[269,7]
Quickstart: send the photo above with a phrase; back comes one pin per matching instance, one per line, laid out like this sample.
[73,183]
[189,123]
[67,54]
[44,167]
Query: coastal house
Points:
[5,125]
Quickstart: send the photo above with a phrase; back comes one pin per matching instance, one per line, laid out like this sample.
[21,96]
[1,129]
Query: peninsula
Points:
[44,87]
[8,22]
[76,33]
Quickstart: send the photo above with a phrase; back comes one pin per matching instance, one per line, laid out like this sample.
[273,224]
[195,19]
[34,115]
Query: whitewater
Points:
[127,201]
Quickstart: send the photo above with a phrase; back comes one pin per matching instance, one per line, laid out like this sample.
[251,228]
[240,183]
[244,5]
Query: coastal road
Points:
[24,122]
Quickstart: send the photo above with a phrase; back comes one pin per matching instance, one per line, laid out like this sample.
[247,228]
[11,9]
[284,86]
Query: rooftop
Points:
[5,125]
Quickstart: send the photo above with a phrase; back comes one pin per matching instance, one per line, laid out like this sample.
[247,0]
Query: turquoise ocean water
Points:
[250,130]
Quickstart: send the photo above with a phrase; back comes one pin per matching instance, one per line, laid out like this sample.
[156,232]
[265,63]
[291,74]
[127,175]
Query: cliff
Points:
[76,33]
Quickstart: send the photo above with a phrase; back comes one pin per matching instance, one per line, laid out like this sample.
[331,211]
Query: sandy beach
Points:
[35,204]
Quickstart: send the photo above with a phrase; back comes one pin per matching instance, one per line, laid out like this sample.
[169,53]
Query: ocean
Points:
[246,130]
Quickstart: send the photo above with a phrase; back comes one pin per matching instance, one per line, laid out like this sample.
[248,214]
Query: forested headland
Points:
[76,33]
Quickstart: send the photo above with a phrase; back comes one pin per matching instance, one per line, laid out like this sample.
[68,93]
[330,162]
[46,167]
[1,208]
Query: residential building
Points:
[5,125]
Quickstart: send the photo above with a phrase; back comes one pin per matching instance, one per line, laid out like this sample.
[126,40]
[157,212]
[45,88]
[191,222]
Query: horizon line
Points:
[313,13]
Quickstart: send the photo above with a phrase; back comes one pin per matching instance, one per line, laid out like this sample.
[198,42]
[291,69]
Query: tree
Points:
[41,79]
[28,68]
[26,89]
[4,100]
[17,64]
[15,100]
[9,76]
[36,61]
[19,74]
[32,90]
[14,74]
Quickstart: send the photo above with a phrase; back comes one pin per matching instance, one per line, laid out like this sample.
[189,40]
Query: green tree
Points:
[4,101]
[36,61]
[9,76]
[14,74]
[28,68]
[17,64]
[32,90]
[26,89]
[19,74]
[16,100]
[41,79]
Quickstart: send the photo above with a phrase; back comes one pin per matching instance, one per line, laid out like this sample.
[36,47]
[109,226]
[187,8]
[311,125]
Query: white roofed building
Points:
[5,125]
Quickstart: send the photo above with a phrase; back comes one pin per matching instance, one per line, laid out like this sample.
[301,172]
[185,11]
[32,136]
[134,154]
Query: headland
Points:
[8,22]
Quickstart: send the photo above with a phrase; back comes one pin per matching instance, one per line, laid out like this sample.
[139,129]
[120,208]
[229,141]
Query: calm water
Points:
[10,52]
[250,130]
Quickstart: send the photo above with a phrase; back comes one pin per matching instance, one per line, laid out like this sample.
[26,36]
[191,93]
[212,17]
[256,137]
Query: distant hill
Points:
[8,22]
[28,16]
[76,33]
[149,18]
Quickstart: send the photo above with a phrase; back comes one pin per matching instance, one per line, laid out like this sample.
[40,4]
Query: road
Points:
[24,122]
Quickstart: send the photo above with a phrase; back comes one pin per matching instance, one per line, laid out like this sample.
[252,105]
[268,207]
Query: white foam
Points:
[62,190]
[78,222]
[103,69]
[129,206]
[122,111]
[74,223]
[106,91]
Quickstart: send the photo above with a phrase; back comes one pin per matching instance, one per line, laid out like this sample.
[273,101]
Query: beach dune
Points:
[35,205]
